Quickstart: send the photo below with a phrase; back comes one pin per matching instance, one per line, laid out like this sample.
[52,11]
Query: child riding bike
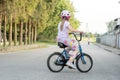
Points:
[63,36]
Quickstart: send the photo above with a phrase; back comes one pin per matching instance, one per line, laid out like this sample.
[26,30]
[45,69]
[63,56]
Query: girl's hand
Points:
[81,32]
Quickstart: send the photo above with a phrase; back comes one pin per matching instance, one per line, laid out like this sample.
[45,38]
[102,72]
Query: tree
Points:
[10,16]
[0,21]
[4,19]
[50,31]
[23,20]
[110,25]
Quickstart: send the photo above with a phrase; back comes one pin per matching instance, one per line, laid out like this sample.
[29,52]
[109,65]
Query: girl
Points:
[63,36]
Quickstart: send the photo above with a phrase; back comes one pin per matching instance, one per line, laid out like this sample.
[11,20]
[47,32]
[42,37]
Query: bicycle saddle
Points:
[61,45]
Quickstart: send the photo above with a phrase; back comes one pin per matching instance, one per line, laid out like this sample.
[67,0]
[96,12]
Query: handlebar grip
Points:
[70,33]
[76,37]
[80,37]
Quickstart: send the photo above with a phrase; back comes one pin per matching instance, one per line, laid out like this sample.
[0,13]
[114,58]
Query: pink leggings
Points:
[71,43]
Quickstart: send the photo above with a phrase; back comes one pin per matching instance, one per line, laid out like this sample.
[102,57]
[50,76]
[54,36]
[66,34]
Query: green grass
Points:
[91,39]
[50,42]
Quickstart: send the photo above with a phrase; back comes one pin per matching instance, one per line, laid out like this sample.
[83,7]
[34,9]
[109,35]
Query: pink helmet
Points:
[65,14]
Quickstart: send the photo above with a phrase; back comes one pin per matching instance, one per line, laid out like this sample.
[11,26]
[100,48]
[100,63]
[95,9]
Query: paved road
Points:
[31,65]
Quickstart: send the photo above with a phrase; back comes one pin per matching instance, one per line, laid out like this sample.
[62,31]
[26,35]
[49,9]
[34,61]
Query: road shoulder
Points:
[108,48]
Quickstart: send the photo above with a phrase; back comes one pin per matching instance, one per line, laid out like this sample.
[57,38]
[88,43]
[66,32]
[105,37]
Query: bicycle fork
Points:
[82,55]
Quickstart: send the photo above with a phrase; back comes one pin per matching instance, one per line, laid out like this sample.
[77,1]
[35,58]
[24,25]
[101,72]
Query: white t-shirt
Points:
[63,33]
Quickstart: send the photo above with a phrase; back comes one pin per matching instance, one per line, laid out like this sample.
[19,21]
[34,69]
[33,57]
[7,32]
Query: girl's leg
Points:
[73,55]
[74,48]
[71,59]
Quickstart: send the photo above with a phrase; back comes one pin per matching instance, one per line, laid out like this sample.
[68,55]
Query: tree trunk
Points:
[32,34]
[29,32]
[35,33]
[15,34]
[4,38]
[10,31]
[21,32]
[26,29]
[0,23]
[0,28]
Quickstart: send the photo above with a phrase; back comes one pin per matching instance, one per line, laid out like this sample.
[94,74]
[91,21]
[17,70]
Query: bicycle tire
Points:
[81,67]
[49,62]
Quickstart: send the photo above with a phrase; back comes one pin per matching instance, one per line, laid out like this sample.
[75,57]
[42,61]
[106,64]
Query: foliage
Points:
[50,32]
[42,15]
[110,25]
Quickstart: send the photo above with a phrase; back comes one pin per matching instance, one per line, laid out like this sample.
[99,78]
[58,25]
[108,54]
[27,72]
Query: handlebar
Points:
[80,34]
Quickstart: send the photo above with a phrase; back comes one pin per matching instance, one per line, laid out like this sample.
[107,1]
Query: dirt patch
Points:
[23,47]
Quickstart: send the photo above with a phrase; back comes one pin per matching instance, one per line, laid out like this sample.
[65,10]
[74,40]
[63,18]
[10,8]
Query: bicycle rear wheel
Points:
[55,62]
[84,63]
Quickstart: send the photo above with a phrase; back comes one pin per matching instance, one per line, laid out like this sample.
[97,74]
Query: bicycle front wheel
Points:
[84,63]
[54,62]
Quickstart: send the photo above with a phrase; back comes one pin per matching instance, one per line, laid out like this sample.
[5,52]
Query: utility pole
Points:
[87,29]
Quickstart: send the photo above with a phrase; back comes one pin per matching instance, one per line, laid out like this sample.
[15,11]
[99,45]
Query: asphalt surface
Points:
[32,65]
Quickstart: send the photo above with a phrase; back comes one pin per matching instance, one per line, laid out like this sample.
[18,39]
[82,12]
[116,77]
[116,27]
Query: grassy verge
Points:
[39,44]
[23,47]
[48,42]
[93,40]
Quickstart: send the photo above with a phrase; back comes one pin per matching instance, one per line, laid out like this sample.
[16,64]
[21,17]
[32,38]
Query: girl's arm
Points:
[72,29]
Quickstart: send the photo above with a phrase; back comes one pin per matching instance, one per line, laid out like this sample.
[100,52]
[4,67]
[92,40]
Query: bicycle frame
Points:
[67,56]
[59,59]
[81,54]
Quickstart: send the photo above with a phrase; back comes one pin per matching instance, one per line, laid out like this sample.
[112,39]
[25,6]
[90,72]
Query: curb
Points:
[108,48]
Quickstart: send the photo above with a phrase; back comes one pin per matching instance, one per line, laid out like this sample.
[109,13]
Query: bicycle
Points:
[57,61]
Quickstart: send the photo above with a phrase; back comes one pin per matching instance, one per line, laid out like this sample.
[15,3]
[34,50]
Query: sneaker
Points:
[71,65]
